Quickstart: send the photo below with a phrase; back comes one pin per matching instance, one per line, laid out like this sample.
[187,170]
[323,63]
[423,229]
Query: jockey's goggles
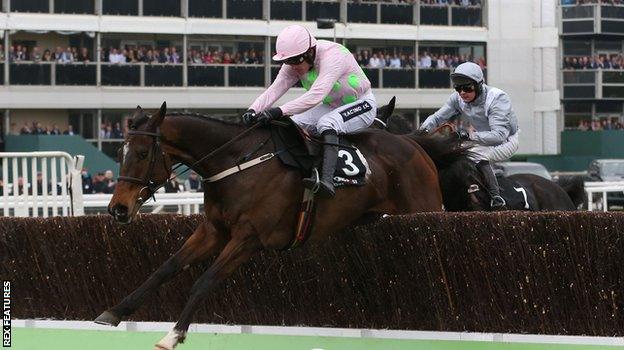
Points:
[293,61]
[464,88]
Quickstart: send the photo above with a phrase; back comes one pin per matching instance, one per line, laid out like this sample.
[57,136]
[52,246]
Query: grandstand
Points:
[87,63]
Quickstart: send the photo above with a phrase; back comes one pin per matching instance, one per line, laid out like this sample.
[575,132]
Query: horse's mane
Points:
[143,118]
[574,185]
[443,150]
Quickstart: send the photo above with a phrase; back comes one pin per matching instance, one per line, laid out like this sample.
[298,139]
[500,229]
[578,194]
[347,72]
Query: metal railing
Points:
[41,184]
[187,203]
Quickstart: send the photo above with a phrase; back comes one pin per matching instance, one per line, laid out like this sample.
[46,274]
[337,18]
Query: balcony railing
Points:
[593,84]
[355,11]
[218,75]
[592,19]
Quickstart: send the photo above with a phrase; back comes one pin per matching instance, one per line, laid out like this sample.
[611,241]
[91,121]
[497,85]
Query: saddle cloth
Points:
[514,194]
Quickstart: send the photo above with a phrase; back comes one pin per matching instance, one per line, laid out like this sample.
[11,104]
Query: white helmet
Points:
[466,73]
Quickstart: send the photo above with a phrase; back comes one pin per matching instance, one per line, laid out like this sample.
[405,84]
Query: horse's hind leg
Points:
[235,253]
[204,242]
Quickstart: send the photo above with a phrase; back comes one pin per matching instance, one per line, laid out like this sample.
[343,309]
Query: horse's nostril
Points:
[119,210]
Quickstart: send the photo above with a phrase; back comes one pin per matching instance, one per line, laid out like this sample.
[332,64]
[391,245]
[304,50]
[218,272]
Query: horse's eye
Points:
[142,154]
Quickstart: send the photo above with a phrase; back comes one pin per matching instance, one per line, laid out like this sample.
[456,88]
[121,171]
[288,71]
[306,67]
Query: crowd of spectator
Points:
[215,57]
[104,182]
[19,53]
[595,62]
[585,2]
[36,128]
[109,130]
[451,2]
[599,125]
[382,59]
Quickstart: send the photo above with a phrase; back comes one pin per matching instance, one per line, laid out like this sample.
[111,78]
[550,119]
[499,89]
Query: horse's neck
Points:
[191,139]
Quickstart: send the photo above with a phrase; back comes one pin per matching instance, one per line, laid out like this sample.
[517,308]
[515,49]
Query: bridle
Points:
[147,182]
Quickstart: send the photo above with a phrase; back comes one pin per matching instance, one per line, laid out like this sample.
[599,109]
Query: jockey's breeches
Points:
[496,153]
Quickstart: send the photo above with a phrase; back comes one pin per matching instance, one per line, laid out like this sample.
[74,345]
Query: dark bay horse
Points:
[257,208]
[462,184]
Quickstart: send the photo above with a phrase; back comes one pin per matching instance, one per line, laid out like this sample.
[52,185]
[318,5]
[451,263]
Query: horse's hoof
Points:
[160,347]
[108,318]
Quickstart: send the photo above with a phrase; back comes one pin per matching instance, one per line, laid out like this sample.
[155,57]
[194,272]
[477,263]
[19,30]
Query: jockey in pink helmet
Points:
[338,99]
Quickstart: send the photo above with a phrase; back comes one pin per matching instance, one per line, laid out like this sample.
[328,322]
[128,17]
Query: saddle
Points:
[296,148]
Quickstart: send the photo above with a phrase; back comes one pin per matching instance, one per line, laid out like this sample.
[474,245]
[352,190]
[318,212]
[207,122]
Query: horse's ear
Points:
[139,109]
[159,116]
[385,112]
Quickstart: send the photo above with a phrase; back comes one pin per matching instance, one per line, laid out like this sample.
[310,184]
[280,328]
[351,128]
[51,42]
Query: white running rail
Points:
[187,202]
[603,187]
[60,189]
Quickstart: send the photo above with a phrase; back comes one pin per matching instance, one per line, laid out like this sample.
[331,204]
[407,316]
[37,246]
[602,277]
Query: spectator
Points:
[40,185]
[172,186]
[99,186]
[116,132]
[67,56]
[20,54]
[175,57]
[193,184]
[83,56]
[25,130]
[36,56]
[87,181]
[69,131]
[395,62]
[47,56]
[55,130]
[425,61]
[109,182]
[105,131]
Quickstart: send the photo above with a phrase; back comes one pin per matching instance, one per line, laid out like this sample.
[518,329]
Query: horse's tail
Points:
[574,185]
[443,150]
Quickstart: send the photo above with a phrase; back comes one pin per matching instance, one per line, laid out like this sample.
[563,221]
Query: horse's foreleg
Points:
[204,242]
[235,253]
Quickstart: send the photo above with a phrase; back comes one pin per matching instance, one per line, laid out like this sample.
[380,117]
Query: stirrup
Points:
[498,203]
[313,178]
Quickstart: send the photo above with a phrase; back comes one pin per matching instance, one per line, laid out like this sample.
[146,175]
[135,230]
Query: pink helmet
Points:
[293,41]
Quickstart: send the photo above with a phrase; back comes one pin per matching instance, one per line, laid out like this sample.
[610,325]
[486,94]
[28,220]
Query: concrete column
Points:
[7,121]
[267,61]
[140,7]
[224,8]
[416,12]
[266,10]
[6,6]
[51,5]
[343,11]
[98,59]
[184,7]
[416,65]
[98,7]
[7,42]
[378,12]
[97,128]
[185,60]
[303,10]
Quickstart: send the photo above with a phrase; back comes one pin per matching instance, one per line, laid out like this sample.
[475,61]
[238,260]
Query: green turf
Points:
[63,339]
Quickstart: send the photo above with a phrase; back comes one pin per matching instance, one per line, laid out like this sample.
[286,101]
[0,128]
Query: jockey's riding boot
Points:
[330,157]
[497,202]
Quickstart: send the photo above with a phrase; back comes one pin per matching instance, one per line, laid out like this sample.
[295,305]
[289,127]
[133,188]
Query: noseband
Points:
[146,181]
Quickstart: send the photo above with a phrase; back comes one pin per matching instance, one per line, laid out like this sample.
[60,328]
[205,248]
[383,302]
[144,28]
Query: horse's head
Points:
[143,165]
[463,187]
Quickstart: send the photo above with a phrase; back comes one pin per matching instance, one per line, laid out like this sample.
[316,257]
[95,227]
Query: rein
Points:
[149,184]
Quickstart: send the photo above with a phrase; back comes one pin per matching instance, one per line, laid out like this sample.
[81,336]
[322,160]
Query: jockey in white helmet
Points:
[338,99]
[493,123]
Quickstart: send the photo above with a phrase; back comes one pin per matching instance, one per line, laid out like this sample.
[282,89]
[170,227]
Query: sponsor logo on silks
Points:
[356,110]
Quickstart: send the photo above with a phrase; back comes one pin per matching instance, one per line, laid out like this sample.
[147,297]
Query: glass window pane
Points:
[579,91]
[578,27]
[612,12]
[74,6]
[121,75]
[435,15]
[206,8]
[244,9]
[286,10]
[246,75]
[75,74]
[167,8]
[434,78]
[30,6]
[466,16]
[577,107]
[317,9]
[613,91]
[579,77]
[613,27]
[163,75]
[206,75]
[609,107]
[399,78]
[577,12]
[612,45]
[577,48]
[397,14]
[373,76]
[30,74]
[120,7]
[362,12]
[613,77]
